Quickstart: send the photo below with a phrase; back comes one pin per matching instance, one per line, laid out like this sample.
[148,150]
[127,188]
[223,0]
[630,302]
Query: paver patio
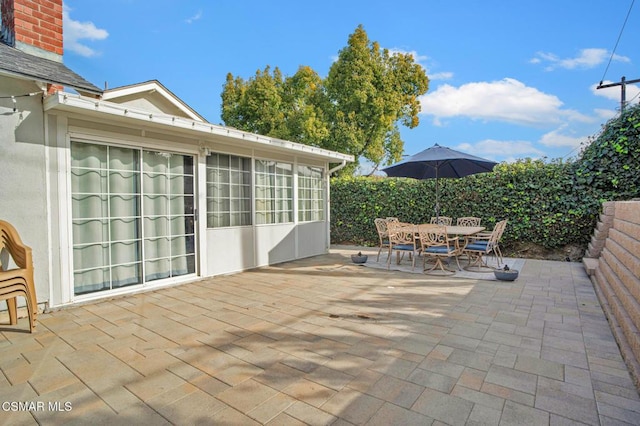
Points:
[323,341]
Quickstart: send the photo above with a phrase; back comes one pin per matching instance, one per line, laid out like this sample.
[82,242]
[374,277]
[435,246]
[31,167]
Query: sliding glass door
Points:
[133,216]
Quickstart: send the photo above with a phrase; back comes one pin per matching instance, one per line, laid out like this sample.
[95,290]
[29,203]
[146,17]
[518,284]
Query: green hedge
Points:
[539,200]
[550,204]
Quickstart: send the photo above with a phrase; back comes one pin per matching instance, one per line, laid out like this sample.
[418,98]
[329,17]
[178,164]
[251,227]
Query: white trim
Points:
[48,206]
[65,292]
[209,133]
[201,214]
[148,88]
[83,134]
[68,291]
[133,289]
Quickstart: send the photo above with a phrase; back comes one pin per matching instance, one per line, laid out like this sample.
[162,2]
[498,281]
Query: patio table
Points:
[462,232]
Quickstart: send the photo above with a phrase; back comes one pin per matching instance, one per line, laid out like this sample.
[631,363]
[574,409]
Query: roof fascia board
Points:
[73,103]
[150,86]
[42,82]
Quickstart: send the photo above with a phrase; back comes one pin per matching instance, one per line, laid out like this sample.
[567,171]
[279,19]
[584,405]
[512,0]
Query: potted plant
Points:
[506,274]
[359,258]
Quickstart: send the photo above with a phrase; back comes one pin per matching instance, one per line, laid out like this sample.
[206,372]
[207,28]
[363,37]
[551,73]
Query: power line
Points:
[617,41]
[623,89]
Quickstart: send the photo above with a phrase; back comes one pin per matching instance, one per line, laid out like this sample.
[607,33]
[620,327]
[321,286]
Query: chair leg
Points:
[478,263]
[458,263]
[31,311]
[498,255]
[12,308]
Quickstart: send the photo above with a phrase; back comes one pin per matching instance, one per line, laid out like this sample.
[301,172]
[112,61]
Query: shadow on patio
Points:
[319,341]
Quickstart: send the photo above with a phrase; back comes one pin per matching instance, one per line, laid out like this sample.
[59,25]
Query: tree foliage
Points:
[356,109]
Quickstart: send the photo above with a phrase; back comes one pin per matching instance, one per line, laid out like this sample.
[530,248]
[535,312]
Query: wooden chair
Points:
[402,239]
[437,245]
[468,221]
[483,245]
[383,235]
[442,220]
[16,281]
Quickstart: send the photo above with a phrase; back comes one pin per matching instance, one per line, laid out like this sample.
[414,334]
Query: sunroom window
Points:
[274,192]
[133,216]
[228,190]
[310,193]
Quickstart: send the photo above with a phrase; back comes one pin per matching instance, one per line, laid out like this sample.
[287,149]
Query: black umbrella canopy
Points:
[438,162]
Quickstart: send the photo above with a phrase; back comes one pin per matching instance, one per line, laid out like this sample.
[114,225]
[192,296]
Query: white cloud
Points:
[445,75]
[605,114]
[506,100]
[507,150]
[74,31]
[556,138]
[632,92]
[194,18]
[586,59]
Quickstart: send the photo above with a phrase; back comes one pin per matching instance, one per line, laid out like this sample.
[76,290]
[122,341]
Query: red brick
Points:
[26,35]
[25,21]
[28,4]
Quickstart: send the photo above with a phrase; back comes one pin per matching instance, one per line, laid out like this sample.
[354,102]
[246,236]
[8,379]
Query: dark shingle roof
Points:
[18,62]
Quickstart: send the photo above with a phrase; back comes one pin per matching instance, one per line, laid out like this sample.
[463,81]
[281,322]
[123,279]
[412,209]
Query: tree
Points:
[371,91]
[288,108]
[256,105]
[356,110]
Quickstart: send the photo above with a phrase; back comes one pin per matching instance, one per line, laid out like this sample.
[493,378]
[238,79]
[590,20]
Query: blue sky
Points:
[508,79]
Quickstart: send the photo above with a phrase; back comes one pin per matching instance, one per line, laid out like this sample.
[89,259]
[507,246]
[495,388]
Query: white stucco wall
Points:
[23,177]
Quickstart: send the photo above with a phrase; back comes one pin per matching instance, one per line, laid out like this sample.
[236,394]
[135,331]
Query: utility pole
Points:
[623,95]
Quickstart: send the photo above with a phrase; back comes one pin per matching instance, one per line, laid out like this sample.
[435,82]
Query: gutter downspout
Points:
[331,171]
[338,167]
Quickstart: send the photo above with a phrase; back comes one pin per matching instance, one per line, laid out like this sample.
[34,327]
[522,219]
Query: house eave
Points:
[149,87]
[206,132]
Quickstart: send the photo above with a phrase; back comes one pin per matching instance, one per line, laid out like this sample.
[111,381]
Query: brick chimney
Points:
[33,26]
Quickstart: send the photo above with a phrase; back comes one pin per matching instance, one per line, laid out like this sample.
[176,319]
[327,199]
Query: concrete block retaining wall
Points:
[613,263]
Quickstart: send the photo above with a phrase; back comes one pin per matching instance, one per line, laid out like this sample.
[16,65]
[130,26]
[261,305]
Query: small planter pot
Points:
[359,258]
[503,275]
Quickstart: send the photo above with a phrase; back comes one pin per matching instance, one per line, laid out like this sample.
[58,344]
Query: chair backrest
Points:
[432,235]
[392,219]
[11,242]
[468,221]
[401,233]
[497,232]
[381,226]
[502,225]
[442,220]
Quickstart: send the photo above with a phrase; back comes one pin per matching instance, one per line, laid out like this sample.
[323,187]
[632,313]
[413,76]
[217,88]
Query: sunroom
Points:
[146,193]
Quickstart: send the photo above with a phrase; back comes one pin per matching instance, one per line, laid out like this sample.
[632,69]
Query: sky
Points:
[508,79]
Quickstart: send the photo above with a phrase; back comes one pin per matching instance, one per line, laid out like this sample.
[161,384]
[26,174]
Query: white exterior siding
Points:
[36,188]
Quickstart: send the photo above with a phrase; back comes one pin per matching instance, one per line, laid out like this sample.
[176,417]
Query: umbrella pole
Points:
[437,198]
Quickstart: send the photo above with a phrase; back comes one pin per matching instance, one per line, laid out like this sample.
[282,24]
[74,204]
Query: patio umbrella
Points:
[439,162]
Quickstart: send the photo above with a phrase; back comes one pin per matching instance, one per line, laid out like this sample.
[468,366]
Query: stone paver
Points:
[321,341]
